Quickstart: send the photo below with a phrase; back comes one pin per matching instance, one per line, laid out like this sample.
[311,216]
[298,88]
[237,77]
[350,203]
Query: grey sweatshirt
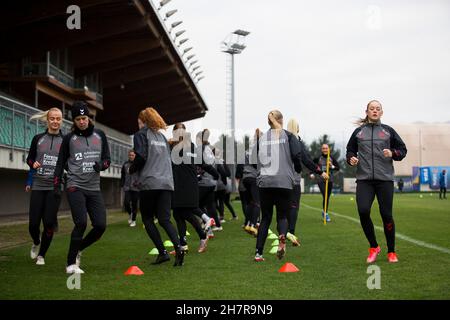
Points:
[152,160]
[82,151]
[276,159]
[44,149]
[367,143]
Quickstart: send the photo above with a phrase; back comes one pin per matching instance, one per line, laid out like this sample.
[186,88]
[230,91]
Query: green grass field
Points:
[331,260]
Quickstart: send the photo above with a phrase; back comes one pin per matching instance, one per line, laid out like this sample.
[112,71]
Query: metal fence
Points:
[17,131]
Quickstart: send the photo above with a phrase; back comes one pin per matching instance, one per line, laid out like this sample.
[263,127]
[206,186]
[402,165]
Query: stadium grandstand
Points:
[120,61]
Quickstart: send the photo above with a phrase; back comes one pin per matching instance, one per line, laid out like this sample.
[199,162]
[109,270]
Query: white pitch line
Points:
[397,235]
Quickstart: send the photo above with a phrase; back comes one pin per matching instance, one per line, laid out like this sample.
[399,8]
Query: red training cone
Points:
[134,271]
[288,267]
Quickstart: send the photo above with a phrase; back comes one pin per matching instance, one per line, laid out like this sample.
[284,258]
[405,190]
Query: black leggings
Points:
[43,207]
[442,190]
[227,202]
[223,199]
[243,198]
[131,203]
[156,204]
[83,203]
[219,198]
[295,206]
[206,201]
[321,185]
[182,215]
[280,198]
[366,190]
[253,200]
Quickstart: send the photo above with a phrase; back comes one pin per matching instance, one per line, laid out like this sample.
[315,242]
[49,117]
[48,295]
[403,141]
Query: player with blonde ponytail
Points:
[42,157]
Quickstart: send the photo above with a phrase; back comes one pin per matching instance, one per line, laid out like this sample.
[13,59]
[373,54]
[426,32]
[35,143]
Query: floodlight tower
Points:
[232,45]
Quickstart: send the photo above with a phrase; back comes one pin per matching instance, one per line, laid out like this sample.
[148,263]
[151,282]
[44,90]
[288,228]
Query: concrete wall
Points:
[14,199]
[428,144]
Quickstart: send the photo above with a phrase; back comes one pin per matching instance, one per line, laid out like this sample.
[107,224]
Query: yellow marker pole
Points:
[326,189]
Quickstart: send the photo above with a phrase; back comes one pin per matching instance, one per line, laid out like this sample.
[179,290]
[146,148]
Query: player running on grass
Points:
[156,185]
[129,184]
[334,166]
[306,160]
[84,152]
[42,158]
[373,147]
[279,156]
[185,200]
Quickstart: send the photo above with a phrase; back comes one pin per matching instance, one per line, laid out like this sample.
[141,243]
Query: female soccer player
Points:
[85,152]
[279,155]
[155,183]
[373,147]
[42,158]
[306,160]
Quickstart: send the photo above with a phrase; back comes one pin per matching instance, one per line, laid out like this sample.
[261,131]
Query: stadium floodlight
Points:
[193,62]
[170,13]
[238,46]
[174,25]
[179,33]
[162,3]
[240,32]
[200,78]
[190,57]
[200,72]
[182,41]
[233,44]
[195,68]
[186,50]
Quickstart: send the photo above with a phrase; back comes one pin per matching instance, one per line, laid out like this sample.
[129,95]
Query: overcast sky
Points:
[320,62]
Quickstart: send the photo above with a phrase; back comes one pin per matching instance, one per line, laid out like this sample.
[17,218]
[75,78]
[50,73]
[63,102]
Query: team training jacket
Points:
[185,176]
[278,159]
[206,179]
[322,162]
[367,143]
[44,149]
[84,154]
[307,162]
[152,160]
[128,181]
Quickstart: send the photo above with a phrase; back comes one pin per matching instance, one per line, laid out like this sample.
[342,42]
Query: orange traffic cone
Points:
[134,271]
[288,267]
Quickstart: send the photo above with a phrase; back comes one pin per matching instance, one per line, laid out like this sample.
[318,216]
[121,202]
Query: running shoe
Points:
[34,251]
[259,257]
[281,247]
[217,228]
[40,261]
[210,223]
[253,231]
[133,224]
[73,268]
[327,217]
[179,258]
[392,257]
[373,253]
[293,239]
[203,245]
[210,234]
[161,258]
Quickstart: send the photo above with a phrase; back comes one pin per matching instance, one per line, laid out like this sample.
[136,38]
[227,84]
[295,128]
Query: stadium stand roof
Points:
[123,43]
